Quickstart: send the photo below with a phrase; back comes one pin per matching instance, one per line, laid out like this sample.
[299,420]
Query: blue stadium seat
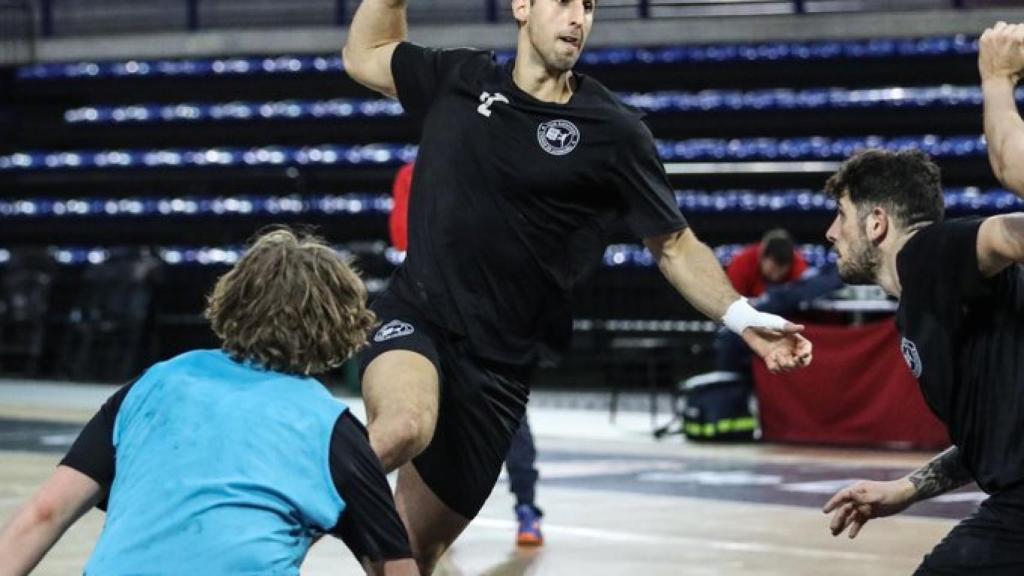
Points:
[715,53]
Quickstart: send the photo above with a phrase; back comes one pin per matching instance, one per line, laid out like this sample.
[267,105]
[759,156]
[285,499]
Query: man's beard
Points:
[860,264]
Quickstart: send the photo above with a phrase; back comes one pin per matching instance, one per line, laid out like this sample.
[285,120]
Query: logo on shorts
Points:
[912,357]
[393,329]
[558,137]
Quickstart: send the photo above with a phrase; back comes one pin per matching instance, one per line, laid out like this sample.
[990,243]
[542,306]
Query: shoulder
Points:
[453,60]
[194,357]
[628,118]
[940,252]
[748,253]
[182,361]
[472,60]
[943,235]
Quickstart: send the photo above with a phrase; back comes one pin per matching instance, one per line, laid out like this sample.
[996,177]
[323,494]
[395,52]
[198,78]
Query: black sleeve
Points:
[92,453]
[639,177]
[941,262]
[419,73]
[369,525]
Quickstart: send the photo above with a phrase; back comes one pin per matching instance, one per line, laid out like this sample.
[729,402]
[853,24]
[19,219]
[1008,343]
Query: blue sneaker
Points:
[529,525]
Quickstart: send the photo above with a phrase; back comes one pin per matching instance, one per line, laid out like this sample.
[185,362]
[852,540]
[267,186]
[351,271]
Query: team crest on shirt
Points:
[393,329]
[558,137]
[913,359]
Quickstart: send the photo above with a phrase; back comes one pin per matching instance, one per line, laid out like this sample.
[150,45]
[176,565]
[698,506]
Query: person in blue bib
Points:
[232,461]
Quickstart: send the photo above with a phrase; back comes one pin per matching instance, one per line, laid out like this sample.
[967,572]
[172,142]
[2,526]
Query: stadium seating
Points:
[149,153]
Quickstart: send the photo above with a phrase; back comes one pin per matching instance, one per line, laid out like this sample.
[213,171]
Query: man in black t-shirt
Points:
[521,170]
[961,317]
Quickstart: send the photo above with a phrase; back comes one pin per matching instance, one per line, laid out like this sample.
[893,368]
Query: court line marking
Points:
[726,545]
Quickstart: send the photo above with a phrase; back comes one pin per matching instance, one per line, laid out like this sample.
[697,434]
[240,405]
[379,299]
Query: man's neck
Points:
[888,273]
[531,76]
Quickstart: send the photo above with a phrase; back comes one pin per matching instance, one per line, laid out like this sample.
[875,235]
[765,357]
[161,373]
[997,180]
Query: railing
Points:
[615,255]
[959,201]
[74,17]
[722,53]
[17,31]
[815,148]
[774,99]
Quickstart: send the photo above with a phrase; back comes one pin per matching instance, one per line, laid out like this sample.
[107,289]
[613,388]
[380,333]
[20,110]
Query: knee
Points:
[402,435]
[414,431]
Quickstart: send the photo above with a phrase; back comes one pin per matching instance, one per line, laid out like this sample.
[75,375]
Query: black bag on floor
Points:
[719,407]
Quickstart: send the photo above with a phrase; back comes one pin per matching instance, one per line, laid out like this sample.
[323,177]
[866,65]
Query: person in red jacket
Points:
[774,260]
[398,226]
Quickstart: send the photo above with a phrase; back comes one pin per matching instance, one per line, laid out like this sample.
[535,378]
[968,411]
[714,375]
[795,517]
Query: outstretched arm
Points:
[41,521]
[377,28]
[854,505]
[1000,60]
[691,267]
[943,473]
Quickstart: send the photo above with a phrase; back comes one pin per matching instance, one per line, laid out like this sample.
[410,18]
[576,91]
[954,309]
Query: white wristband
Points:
[740,315]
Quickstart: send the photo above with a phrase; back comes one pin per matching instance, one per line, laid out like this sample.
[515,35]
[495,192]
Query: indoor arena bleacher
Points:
[178,161]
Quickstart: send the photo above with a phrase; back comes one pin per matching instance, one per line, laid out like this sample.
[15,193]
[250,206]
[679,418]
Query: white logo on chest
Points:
[486,99]
[913,359]
[558,137]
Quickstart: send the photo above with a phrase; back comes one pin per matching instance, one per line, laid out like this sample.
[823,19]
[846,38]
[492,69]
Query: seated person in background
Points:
[773,260]
[232,461]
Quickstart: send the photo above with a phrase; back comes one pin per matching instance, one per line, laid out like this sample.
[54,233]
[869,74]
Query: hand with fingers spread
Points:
[1001,52]
[782,350]
[773,338]
[854,505]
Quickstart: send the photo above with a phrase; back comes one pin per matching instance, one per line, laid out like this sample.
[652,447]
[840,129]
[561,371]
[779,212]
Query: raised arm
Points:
[691,267]
[377,28]
[1000,60]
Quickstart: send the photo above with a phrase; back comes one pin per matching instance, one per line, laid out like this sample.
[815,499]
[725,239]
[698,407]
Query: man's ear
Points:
[878,225]
[521,10]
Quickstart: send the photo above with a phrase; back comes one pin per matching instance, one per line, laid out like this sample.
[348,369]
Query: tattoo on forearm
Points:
[945,472]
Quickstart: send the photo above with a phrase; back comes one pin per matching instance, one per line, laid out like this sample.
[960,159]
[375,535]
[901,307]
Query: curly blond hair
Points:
[290,304]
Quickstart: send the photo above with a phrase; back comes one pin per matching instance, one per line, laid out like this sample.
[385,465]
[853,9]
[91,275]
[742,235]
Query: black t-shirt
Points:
[369,525]
[511,198]
[963,337]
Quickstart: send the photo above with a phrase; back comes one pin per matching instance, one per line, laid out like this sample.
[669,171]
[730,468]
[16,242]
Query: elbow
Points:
[667,247]
[348,61]
[1006,164]
[1012,180]
[42,511]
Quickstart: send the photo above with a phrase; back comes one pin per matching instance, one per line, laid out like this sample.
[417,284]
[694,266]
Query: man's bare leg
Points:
[432,526]
[400,389]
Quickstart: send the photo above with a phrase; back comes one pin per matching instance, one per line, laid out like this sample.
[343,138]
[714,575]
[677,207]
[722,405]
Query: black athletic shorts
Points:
[481,405]
[989,543]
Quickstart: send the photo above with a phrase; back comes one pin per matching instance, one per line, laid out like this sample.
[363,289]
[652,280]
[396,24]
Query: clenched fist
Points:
[1001,52]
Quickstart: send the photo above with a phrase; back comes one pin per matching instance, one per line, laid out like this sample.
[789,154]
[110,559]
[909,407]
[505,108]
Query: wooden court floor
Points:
[613,507]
